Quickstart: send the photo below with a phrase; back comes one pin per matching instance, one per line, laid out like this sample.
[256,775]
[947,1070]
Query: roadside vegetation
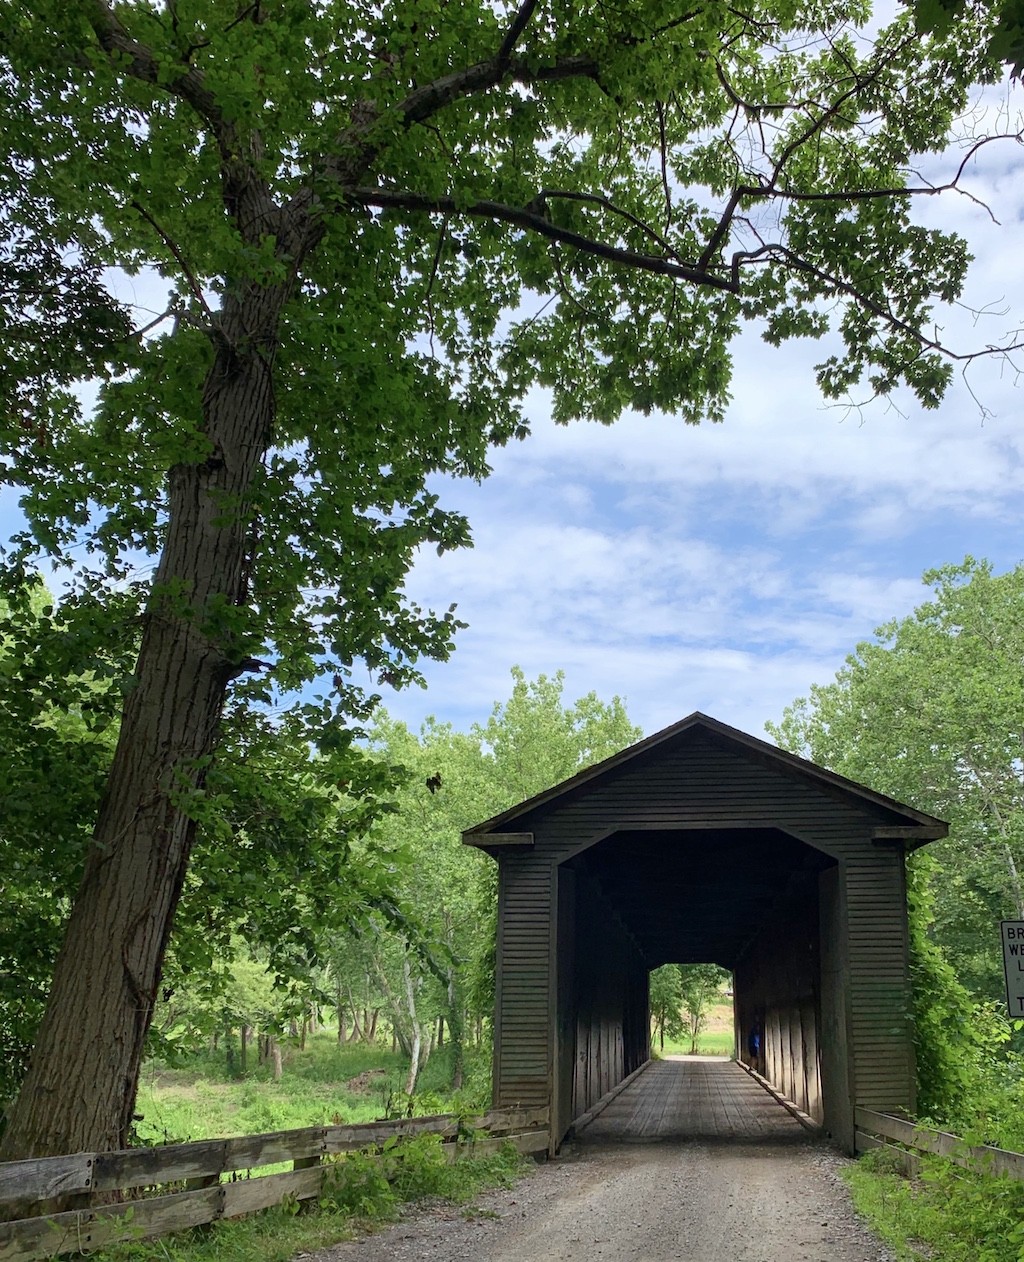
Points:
[361,1193]
[323,1083]
[930,711]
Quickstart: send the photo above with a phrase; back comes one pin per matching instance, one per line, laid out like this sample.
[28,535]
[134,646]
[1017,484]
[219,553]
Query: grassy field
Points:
[716,1039]
[325,1084]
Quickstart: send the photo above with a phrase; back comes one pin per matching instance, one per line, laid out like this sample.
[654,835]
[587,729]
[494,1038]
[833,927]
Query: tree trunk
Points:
[456,1031]
[275,1054]
[339,1008]
[79,1093]
[357,1030]
[417,1032]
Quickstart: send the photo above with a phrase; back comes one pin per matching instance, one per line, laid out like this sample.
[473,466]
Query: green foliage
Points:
[1007,39]
[666,1004]
[412,323]
[60,691]
[357,1184]
[453,781]
[947,1213]
[701,985]
[929,713]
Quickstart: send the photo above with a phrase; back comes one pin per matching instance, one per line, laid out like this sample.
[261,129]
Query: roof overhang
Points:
[911,828]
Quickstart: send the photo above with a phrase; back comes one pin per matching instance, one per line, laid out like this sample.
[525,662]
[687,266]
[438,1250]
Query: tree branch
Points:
[189,83]
[179,258]
[519,24]
[422,102]
[598,199]
[844,287]
[394,199]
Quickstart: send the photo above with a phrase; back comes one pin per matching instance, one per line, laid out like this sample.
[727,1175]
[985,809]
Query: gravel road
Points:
[695,1201]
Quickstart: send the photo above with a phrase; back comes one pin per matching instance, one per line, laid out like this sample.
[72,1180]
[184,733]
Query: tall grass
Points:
[325,1083]
[322,1084]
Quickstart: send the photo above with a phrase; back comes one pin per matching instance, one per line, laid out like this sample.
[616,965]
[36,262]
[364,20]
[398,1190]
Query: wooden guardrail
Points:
[873,1129]
[198,1192]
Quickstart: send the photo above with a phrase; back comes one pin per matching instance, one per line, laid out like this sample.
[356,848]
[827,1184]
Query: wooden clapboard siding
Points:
[522,1052]
[705,840]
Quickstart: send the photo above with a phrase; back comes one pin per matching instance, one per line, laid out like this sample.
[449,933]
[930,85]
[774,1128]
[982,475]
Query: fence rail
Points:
[873,1129]
[36,1223]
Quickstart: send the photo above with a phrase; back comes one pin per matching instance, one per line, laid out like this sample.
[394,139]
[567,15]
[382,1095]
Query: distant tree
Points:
[666,1004]
[700,985]
[531,741]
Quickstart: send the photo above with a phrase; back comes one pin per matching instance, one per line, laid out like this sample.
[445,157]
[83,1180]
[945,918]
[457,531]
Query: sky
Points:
[727,568]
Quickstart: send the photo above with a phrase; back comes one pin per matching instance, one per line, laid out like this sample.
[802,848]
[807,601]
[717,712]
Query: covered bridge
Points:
[701,844]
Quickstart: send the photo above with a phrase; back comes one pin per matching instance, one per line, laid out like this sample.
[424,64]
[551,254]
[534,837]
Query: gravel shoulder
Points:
[696,1201]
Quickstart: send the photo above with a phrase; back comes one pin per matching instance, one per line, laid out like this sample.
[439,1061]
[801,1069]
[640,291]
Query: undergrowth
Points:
[944,1214]
[360,1193]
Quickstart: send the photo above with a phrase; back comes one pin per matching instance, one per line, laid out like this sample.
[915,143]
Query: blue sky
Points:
[726,568]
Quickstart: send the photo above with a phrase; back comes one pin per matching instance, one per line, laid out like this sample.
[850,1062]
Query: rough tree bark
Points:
[104,987]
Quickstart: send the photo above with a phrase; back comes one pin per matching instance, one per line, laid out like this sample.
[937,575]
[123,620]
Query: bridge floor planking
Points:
[693,1097]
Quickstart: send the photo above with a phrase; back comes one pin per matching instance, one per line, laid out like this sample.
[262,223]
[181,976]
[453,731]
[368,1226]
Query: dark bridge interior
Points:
[696,896]
[750,899]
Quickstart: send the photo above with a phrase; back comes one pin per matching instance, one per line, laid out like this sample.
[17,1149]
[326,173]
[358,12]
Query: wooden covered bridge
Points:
[702,844]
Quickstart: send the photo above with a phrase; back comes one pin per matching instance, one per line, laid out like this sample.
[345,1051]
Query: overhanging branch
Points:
[529,221]
[837,285]
[142,64]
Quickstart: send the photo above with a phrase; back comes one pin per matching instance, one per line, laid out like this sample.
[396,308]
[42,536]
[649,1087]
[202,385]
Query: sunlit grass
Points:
[321,1085]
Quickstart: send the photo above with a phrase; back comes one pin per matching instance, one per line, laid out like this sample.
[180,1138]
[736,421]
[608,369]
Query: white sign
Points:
[1013,965]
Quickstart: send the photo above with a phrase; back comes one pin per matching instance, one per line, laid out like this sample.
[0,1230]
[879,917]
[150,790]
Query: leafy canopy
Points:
[463,201]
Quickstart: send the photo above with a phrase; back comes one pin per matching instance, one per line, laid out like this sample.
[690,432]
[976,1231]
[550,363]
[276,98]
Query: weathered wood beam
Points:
[486,840]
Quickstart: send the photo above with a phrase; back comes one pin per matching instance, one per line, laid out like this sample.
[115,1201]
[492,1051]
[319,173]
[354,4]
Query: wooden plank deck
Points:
[693,1098]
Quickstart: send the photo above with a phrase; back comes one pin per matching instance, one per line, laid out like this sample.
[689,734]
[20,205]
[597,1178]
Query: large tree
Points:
[380,224]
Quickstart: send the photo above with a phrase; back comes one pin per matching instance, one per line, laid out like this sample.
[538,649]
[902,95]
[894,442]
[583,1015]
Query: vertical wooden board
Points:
[834,1039]
[879,981]
[524,1037]
[565,1053]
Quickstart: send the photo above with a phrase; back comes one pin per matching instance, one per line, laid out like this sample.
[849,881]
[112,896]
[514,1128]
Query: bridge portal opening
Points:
[692,1010]
[748,899]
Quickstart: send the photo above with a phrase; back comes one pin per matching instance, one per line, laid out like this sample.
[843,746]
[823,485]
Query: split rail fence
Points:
[180,1186]
[874,1129]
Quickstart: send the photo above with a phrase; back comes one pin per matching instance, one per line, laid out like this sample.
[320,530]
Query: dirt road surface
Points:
[690,1164]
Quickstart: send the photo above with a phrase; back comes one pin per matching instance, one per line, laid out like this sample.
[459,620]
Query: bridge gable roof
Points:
[894,821]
